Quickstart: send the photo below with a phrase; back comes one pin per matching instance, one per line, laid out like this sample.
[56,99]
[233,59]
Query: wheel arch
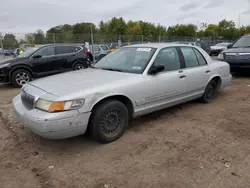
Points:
[119,97]
[80,61]
[217,79]
[21,67]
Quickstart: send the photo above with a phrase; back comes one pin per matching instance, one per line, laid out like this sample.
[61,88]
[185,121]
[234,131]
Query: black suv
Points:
[238,54]
[43,61]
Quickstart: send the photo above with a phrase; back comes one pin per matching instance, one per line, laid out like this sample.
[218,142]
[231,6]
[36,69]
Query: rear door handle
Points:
[182,76]
[208,71]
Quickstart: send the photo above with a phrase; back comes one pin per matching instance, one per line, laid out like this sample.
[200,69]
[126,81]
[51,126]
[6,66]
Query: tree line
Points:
[131,31]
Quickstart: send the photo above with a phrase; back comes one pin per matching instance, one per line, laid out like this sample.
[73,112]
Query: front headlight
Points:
[58,106]
[220,56]
[4,65]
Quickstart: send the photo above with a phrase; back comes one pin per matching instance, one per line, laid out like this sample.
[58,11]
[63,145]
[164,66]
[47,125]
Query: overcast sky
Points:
[21,16]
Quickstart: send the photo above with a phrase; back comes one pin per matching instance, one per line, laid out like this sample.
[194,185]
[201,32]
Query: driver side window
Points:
[47,51]
[169,58]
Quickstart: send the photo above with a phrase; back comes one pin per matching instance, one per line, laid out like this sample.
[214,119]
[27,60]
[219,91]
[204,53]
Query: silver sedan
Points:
[129,82]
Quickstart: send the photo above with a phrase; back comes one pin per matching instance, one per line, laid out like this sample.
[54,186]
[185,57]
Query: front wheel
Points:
[109,121]
[20,77]
[210,92]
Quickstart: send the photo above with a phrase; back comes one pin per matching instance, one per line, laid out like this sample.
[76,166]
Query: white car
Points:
[218,48]
[129,82]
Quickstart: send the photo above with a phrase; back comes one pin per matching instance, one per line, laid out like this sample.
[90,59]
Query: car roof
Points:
[60,44]
[156,45]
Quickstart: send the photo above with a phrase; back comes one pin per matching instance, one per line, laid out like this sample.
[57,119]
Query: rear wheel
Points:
[80,65]
[210,92]
[109,121]
[20,77]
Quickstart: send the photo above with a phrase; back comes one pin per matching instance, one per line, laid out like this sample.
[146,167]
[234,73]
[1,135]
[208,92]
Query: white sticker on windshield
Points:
[137,68]
[144,49]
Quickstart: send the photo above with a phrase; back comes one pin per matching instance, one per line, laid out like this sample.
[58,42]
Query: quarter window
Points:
[169,58]
[200,57]
[67,49]
[189,57]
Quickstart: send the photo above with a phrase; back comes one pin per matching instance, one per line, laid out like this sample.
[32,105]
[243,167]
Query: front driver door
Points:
[42,65]
[167,87]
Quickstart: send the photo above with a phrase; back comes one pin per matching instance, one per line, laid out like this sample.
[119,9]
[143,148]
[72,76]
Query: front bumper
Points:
[215,52]
[4,76]
[51,125]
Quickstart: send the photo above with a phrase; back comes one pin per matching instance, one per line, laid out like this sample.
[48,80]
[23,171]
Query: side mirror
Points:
[156,69]
[36,56]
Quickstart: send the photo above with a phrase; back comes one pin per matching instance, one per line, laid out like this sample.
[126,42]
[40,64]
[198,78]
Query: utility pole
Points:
[54,40]
[92,42]
[239,21]
[1,44]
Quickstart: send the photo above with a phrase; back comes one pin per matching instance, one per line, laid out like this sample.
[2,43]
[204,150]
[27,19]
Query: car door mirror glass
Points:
[156,69]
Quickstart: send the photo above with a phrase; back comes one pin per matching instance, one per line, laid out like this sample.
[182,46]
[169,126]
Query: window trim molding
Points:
[180,59]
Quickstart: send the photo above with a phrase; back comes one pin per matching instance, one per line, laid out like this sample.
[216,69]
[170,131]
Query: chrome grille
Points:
[28,100]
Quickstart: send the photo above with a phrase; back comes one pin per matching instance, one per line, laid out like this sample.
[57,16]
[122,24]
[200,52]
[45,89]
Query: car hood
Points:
[217,47]
[12,60]
[83,82]
[237,50]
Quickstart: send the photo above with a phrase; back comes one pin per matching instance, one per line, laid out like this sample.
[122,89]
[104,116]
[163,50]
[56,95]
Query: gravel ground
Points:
[190,145]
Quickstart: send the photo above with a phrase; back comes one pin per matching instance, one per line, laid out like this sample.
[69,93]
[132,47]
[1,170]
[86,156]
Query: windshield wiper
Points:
[112,69]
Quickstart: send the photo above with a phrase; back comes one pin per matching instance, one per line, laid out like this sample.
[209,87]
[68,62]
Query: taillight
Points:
[88,51]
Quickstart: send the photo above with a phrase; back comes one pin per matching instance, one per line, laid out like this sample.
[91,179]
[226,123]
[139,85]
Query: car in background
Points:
[99,51]
[218,48]
[8,52]
[238,55]
[42,61]
[131,81]
[187,43]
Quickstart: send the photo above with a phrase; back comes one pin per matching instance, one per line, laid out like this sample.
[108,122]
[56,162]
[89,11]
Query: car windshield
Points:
[242,42]
[128,59]
[104,47]
[27,52]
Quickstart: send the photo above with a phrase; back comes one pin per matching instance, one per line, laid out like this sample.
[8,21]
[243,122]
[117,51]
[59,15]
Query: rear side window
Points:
[104,47]
[67,49]
[189,57]
[200,57]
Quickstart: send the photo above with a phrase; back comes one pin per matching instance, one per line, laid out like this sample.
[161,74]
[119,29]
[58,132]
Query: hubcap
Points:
[22,78]
[79,67]
[111,123]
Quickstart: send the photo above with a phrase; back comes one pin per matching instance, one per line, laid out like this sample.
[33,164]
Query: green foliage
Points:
[118,28]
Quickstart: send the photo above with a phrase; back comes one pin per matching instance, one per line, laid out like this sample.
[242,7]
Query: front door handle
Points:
[182,76]
[208,71]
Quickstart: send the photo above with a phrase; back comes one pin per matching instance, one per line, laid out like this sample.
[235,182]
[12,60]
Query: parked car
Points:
[8,52]
[218,48]
[238,54]
[130,82]
[99,51]
[43,61]
[188,43]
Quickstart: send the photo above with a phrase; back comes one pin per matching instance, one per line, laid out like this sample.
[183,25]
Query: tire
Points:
[20,77]
[80,65]
[210,92]
[101,127]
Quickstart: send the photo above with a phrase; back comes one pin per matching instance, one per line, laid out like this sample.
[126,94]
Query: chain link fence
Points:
[205,42]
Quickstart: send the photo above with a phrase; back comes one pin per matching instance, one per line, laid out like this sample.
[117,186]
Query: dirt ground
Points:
[191,145]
